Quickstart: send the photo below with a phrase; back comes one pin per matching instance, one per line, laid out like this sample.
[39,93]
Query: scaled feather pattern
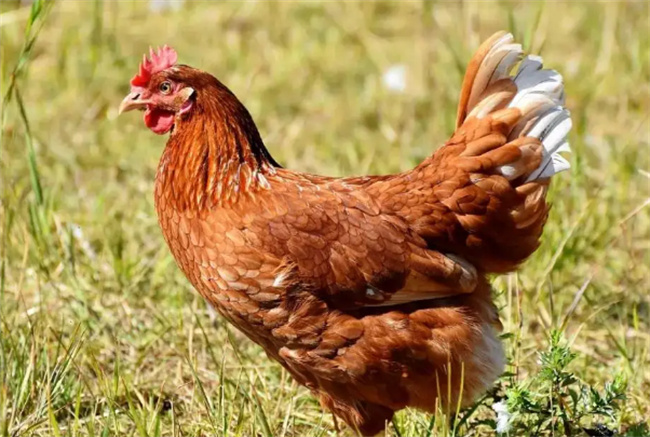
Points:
[371,291]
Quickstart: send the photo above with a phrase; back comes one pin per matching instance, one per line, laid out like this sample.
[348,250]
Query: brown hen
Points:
[371,291]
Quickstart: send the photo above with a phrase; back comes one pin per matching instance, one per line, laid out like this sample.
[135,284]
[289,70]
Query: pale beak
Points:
[133,101]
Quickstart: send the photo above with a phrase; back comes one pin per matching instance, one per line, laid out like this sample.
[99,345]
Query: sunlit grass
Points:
[100,334]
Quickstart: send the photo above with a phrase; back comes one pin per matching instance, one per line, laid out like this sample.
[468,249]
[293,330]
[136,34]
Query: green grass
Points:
[100,334]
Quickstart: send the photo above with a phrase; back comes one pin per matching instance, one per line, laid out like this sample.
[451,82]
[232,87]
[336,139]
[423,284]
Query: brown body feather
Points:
[371,291]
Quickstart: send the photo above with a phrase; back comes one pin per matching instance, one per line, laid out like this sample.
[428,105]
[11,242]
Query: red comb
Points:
[160,60]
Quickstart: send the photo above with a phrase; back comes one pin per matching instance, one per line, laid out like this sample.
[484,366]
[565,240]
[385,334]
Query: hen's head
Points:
[159,90]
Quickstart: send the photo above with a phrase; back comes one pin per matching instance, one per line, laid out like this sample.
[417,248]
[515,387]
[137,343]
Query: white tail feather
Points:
[540,97]
[530,64]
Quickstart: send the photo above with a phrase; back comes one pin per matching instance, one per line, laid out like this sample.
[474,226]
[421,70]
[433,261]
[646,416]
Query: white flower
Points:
[395,78]
[161,5]
[503,417]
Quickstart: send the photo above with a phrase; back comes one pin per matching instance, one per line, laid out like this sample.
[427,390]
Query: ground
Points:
[100,333]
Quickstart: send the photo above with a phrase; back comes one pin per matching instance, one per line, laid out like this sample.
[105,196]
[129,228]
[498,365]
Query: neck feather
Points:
[214,156]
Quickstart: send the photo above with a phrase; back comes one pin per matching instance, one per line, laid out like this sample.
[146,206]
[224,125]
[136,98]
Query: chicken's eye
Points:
[165,87]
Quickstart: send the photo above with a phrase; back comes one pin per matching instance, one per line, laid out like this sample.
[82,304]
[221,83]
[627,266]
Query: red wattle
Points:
[159,120]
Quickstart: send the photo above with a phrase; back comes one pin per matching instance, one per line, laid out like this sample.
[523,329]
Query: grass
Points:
[101,335]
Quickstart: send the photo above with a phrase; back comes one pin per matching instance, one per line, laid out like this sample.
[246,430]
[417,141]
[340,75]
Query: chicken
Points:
[371,291]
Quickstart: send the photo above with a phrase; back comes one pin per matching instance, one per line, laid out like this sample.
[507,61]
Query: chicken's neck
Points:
[214,157]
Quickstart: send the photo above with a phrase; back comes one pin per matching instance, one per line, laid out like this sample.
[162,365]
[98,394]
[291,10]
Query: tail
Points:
[538,94]
[510,131]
